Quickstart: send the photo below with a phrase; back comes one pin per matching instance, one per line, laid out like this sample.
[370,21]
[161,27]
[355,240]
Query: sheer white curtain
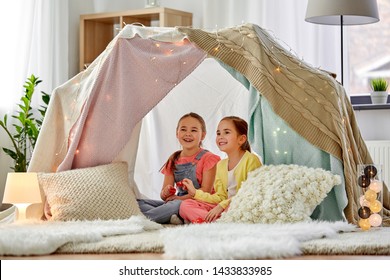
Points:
[34,41]
[44,43]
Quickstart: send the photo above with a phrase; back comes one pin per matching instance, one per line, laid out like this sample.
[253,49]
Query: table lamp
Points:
[22,189]
[342,12]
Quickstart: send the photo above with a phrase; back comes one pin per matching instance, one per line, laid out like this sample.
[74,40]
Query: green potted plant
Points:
[26,127]
[379,92]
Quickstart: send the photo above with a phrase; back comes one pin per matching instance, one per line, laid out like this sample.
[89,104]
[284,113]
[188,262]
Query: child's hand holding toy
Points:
[189,186]
[167,192]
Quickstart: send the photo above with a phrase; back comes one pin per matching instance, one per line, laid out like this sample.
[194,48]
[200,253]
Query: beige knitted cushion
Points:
[100,192]
[280,194]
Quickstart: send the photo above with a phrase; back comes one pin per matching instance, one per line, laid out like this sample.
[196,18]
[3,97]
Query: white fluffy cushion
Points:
[280,194]
[100,192]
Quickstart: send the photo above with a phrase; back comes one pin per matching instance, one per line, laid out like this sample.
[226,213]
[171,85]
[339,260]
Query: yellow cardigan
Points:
[248,163]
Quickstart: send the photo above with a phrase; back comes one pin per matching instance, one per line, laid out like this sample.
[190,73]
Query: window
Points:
[369,51]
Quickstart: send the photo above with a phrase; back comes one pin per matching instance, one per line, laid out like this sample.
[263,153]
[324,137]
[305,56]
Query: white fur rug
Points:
[201,241]
[348,242]
[144,242]
[245,241]
[375,241]
[40,237]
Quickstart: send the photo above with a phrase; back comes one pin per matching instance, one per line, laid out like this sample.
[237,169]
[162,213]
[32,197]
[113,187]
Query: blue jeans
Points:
[158,210]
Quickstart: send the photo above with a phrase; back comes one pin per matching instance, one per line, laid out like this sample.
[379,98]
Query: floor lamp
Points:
[342,12]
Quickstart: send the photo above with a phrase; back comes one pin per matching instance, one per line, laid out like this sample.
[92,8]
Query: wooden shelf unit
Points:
[97,30]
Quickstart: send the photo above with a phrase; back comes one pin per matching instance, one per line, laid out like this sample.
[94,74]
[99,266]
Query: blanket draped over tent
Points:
[120,87]
[111,106]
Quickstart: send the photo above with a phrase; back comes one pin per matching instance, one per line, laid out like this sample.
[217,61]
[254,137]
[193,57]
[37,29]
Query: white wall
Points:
[374,124]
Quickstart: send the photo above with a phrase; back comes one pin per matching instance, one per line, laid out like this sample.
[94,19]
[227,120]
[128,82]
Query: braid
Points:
[171,161]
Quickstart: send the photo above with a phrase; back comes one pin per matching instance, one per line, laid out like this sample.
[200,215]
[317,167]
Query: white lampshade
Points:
[22,189]
[353,12]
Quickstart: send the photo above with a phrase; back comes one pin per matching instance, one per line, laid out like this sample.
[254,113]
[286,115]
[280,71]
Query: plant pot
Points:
[379,97]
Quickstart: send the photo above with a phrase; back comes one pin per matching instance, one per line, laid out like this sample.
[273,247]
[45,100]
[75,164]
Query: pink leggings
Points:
[191,209]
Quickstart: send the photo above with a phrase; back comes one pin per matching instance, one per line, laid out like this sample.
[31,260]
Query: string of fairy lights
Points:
[70,119]
[273,50]
[370,199]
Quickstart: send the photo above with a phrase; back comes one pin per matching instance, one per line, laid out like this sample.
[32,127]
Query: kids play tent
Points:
[127,103]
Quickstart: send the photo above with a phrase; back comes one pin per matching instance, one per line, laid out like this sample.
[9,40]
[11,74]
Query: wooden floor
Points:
[151,256]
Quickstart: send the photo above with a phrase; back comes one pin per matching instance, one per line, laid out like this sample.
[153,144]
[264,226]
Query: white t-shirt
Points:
[232,184]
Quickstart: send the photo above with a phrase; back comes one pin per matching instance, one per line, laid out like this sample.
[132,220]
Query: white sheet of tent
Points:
[210,91]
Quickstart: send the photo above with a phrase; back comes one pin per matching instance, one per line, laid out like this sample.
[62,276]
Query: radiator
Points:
[380,154]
